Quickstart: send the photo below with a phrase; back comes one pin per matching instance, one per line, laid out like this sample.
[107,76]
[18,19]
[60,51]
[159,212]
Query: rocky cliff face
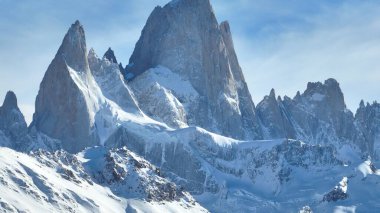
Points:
[318,116]
[367,120]
[63,110]
[274,118]
[185,37]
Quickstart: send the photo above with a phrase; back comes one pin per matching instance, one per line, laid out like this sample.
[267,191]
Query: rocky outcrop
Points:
[185,37]
[14,131]
[367,120]
[338,193]
[274,118]
[63,110]
[317,116]
[110,56]
[12,122]
[111,82]
[320,114]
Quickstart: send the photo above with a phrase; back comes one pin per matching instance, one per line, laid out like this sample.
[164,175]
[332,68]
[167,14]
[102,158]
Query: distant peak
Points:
[328,84]
[298,96]
[331,83]
[272,93]
[92,54]
[77,23]
[110,55]
[362,105]
[10,100]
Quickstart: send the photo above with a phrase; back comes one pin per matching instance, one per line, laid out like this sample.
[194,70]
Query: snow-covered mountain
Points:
[95,180]
[177,131]
[185,38]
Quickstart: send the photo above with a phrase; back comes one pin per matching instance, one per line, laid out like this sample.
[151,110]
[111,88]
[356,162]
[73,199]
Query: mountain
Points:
[318,116]
[14,132]
[177,131]
[367,119]
[12,122]
[185,38]
[63,109]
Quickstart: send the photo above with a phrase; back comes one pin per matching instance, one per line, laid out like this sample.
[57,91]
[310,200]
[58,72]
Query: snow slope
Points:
[60,182]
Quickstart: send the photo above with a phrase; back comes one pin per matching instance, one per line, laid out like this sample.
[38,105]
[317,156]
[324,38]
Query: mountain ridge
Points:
[184,130]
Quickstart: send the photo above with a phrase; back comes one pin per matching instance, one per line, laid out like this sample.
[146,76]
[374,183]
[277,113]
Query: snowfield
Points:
[46,182]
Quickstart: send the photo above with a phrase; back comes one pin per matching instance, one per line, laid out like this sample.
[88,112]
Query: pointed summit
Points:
[110,55]
[10,101]
[298,95]
[279,99]
[361,105]
[64,110]
[272,93]
[185,37]
[12,121]
[73,48]
[169,27]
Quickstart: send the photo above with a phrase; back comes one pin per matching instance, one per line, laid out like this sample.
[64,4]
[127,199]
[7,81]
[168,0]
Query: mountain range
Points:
[176,130]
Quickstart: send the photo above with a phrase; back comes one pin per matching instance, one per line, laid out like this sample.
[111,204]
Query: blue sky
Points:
[280,44]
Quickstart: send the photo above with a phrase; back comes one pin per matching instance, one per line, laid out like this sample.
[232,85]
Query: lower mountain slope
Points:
[95,180]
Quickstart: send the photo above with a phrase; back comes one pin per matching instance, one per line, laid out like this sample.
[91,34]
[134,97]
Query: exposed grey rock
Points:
[319,115]
[63,111]
[338,193]
[110,55]
[12,122]
[367,120]
[185,37]
[110,80]
[275,121]
[14,131]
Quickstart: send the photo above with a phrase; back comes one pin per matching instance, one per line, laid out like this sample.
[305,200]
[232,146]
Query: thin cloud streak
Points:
[342,43]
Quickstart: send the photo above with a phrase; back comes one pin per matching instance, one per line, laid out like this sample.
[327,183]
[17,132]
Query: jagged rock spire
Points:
[12,121]
[272,93]
[63,110]
[10,100]
[73,48]
[361,105]
[298,96]
[110,55]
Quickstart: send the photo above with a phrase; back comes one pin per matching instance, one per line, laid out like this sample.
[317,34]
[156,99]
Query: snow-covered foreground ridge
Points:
[96,180]
[177,131]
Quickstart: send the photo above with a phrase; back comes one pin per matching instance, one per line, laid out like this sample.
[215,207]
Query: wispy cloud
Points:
[340,40]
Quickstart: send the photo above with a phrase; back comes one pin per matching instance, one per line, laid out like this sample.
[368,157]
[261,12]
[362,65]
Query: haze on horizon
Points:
[281,45]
